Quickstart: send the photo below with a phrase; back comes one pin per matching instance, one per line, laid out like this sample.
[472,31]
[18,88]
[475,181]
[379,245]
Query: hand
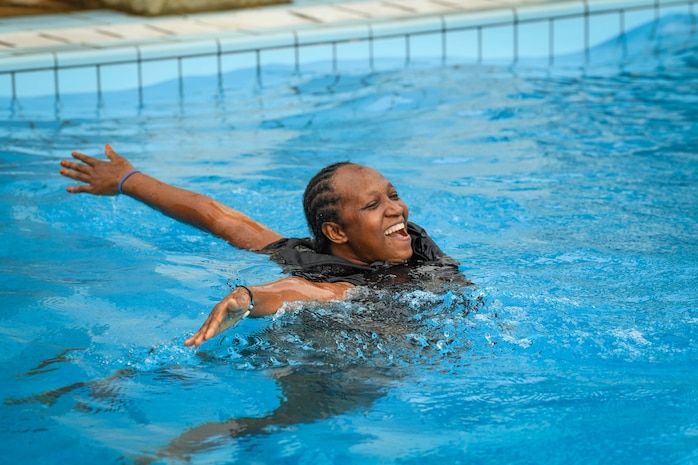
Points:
[101,177]
[233,308]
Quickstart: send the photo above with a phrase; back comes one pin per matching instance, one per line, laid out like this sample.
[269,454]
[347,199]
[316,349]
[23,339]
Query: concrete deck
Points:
[104,29]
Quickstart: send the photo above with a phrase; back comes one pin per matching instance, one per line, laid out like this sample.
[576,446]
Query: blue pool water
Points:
[568,195]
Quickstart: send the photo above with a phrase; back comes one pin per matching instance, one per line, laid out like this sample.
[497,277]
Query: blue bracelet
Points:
[128,175]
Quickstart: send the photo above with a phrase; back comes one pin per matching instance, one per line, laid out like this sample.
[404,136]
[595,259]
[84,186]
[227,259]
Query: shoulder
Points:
[423,246]
[298,257]
[286,243]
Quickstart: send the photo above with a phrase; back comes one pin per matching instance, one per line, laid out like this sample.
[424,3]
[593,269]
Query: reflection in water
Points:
[309,394]
[50,364]
[104,392]
[342,357]
[327,359]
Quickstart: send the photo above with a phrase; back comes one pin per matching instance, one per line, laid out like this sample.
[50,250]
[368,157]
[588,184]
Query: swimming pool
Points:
[567,193]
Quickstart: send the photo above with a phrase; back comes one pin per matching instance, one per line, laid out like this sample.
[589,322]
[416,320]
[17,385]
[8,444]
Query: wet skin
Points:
[370,206]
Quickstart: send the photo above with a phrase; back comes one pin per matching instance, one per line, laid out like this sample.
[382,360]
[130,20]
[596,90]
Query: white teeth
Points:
[394,229]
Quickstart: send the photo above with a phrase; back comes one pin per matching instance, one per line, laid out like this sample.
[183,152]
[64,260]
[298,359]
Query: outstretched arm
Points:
[267,300]
[107,177]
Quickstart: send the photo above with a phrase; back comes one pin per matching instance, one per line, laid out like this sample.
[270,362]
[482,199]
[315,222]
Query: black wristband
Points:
[249,292]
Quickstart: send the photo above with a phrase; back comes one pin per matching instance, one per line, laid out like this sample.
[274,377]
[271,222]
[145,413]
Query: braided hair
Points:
[321,204]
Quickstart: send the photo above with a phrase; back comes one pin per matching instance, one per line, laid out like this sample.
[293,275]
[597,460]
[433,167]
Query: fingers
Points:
[205,333]
[78,171]
[110,153]
[193,341]
[73,165]
[75,171]
[88,160]
[102,177]
[79,189]
[91,161]
[208,329]
[214,324]
[200,336]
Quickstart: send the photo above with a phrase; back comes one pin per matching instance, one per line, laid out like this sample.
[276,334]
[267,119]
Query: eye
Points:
[394,196]
[371,205]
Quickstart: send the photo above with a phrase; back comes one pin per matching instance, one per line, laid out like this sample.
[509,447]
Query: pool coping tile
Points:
[289,33]
[262,19]
[377,10]
[328,14]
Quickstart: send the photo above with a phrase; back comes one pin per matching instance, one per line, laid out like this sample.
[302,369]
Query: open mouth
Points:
[399,229]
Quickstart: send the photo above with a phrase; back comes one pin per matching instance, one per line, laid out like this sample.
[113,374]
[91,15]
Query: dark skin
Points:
[369,208]
[372,228]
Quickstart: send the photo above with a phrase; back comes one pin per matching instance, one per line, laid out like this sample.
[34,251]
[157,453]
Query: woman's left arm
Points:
[117,176]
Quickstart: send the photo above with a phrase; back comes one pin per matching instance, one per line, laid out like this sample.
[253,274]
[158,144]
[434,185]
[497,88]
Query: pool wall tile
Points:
[77,80]
[154,72]
[250,42]
[668,9]
[172,50]
[498,44]
[119,77]
[111,51]
[280,56]
[603,27]
[314,56]
[635,18]
[427,47]
[534,39]
[355,55]
[568,35]
[35,83]
[384,52]
[6,84]
[198,65]
[463,46]
[97,56]
[246,64]
[409,40]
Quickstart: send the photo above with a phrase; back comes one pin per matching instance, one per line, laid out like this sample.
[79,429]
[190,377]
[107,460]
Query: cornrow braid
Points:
[321,204]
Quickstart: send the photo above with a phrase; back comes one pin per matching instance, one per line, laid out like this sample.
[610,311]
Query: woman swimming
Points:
[358,221]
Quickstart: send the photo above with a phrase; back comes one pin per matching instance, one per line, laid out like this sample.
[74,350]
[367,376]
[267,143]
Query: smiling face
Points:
[373,218]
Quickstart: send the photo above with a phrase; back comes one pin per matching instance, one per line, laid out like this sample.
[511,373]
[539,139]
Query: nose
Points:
[394,208]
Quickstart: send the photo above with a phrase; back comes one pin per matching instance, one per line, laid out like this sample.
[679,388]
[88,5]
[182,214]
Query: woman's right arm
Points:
[265,299]
[106,178]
